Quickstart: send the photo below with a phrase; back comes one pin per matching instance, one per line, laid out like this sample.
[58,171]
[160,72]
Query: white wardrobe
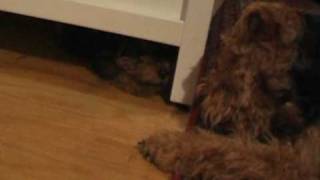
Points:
[182,23]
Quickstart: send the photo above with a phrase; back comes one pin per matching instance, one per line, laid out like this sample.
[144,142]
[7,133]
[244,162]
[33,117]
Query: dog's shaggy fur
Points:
[251,96]
[200,155]
[250,85]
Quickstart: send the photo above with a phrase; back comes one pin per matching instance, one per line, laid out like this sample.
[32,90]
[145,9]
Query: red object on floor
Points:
[176,176]
[195,112]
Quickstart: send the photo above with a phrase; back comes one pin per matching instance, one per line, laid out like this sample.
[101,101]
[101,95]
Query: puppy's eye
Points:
[163,74]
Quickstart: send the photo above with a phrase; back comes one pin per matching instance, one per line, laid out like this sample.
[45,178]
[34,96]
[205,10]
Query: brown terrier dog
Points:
[250,85]
[251,95]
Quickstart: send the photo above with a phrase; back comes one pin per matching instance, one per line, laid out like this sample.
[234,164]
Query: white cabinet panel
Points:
[163,9]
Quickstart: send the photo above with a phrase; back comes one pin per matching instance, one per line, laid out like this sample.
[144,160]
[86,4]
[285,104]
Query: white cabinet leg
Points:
[197,21]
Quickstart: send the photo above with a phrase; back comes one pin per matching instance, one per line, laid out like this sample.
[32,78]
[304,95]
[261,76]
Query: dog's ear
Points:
[255,23]
[292,28]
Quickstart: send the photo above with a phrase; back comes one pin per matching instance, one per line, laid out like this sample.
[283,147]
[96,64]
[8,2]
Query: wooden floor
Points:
[60,122]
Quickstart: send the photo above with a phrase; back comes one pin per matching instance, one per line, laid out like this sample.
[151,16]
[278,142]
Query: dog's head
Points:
[255,69]
[281,27]
[268,22]
[146,70]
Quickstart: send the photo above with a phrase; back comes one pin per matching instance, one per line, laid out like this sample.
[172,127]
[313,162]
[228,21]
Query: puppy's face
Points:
[269,22]
[146,69]
[276,24]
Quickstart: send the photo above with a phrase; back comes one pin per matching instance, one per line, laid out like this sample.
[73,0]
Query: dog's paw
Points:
[145,151]
[162,150]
